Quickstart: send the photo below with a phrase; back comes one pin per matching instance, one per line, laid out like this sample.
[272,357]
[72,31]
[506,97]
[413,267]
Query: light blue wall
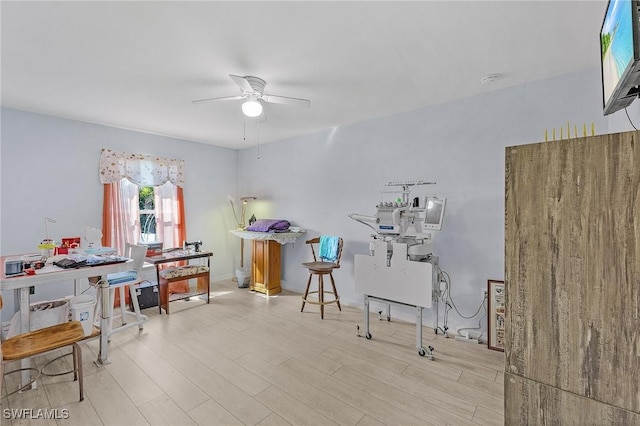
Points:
[315,181]
[50,169]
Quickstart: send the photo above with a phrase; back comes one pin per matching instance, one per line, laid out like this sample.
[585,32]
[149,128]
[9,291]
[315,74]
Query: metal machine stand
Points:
[428,351]
[436,295]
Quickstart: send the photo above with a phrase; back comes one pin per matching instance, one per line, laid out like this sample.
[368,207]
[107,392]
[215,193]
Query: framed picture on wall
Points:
[495,307]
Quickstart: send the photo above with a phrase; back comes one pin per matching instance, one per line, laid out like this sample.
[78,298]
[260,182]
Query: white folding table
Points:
[52,274]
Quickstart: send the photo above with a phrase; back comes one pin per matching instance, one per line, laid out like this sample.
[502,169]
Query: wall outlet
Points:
[483,293]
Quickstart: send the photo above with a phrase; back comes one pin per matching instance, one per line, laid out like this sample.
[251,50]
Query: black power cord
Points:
[629,118]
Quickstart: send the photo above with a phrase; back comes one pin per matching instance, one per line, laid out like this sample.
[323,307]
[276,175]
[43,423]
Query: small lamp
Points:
[243,209]
[47,244]
[244,201]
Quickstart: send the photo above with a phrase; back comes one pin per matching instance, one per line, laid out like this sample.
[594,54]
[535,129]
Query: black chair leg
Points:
[321,295]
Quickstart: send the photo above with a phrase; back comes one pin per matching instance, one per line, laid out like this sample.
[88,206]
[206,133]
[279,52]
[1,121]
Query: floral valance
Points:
[143,170]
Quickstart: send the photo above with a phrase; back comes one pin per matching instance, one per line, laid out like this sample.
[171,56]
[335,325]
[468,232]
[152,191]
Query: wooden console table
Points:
[265,258]
[203,278]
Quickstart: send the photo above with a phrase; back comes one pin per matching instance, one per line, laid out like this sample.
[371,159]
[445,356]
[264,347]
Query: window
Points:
[143,200]
[147,214]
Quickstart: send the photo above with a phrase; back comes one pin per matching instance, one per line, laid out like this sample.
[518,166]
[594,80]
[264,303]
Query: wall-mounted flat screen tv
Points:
[620,55]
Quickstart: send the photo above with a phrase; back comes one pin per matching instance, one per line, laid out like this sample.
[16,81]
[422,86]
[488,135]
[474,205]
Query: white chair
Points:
[119,281]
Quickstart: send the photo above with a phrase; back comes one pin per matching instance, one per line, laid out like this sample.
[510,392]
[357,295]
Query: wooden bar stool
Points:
[320,269]
[44,340]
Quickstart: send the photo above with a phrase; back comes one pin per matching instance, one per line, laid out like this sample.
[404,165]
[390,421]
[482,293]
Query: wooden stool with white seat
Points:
[329,260]
[47,339]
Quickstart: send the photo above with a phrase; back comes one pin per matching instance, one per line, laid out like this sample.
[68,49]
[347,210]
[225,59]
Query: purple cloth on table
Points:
[269,225]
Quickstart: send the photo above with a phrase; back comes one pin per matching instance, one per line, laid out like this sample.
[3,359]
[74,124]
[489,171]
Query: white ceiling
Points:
[138,65]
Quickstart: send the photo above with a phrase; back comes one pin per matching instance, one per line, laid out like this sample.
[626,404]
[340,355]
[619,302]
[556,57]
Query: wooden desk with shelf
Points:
[265,258]
[203,278]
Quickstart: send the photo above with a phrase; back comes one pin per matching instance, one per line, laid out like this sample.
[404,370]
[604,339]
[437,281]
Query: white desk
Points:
[48,275]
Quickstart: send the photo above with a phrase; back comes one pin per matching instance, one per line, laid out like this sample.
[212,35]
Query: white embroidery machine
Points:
[401,268]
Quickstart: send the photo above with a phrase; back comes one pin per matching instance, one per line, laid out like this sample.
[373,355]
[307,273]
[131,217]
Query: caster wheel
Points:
[368,336]
[422,352]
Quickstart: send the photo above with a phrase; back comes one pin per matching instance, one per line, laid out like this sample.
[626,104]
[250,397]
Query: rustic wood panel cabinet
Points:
[572,275]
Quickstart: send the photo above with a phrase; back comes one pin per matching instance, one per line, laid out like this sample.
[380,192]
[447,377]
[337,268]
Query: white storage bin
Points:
[82,310]
[41,315]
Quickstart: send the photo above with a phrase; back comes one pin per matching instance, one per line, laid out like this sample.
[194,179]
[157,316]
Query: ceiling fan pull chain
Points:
[258,139]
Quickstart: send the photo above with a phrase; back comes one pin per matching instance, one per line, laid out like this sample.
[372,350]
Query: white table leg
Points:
[25,326]
[103,356]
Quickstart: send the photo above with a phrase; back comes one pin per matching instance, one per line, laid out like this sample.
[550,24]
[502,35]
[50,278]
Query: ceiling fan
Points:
[252,89]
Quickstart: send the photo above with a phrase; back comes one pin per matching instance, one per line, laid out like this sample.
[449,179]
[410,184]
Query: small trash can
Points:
[82,310]
[243,275]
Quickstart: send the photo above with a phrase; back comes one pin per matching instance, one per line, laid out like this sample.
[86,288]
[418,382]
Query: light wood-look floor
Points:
[245,359]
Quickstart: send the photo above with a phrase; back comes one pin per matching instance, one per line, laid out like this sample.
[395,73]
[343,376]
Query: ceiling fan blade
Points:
[224,98]
[242,82]
[284,100]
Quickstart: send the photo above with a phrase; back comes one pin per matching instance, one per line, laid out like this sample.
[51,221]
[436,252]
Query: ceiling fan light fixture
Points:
[252,108]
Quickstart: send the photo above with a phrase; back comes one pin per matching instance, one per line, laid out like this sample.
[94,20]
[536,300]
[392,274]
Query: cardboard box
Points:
[147,294]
